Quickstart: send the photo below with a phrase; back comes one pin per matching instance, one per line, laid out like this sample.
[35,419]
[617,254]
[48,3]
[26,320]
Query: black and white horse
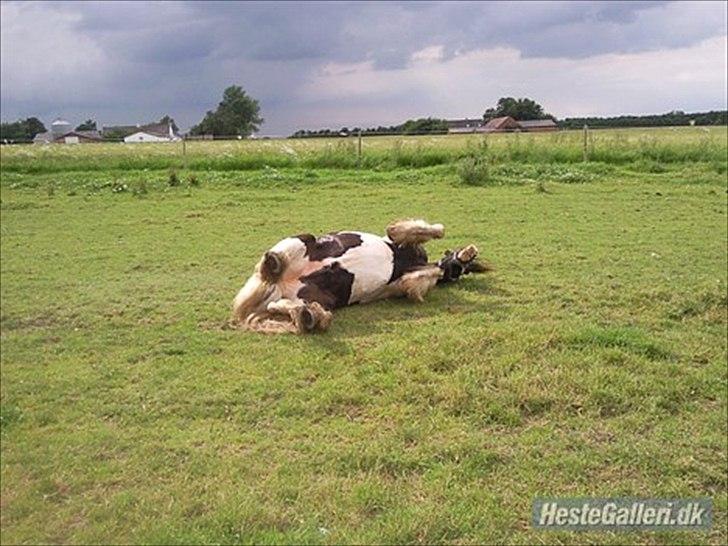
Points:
[298,282]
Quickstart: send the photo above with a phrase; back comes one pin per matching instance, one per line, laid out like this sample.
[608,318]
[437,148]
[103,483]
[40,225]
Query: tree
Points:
[170,121]
[237,114]
[424,125]
[33,126]
[12,132]
[21,130]
[88,125]
[409,127]
[518,109]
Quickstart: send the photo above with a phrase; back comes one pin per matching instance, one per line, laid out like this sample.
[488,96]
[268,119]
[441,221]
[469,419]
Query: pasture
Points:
[592,362]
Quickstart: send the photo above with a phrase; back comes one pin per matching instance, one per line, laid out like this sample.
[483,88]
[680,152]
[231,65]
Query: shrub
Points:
[193,181]
[473,171]
[173,178]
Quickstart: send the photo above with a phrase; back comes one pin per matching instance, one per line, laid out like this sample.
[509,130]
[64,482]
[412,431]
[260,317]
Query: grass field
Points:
[591,363]
[646,147]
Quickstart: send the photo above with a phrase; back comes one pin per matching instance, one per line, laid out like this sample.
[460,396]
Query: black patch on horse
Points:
[330,286]
[406,258]
[453,269]
[332,245]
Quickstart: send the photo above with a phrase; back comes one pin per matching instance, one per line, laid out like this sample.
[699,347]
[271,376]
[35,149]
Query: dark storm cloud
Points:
[389,32]
[177,56]
[385,32]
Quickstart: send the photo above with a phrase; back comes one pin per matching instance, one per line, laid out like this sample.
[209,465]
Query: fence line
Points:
[364,133]
[332,135]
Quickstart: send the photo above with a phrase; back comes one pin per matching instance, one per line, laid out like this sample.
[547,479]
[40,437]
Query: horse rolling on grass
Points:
[302,279]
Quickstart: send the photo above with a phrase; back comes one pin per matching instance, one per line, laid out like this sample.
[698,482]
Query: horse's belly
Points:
[371,263]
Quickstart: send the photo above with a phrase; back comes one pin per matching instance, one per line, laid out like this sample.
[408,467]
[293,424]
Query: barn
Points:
[465,125]
[155,132]
[501,125]
[71,137]
[508,124]
[61,133]
[538,125]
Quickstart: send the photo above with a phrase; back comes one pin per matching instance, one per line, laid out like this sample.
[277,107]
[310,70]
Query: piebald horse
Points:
[301,279]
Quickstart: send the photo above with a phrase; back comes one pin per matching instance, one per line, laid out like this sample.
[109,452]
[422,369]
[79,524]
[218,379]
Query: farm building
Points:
[464,125]
[116,132]
[155,132]
[508,124]
[534,125]
[499,125]
[61,133]
[71,137]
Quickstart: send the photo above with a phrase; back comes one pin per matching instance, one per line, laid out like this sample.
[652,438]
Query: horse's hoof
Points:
[307,320]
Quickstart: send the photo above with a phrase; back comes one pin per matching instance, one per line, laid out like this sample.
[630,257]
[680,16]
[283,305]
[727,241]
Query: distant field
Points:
[663,145]
[591,363]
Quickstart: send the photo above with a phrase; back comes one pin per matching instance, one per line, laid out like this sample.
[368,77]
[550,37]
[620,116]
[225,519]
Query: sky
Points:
[334,64]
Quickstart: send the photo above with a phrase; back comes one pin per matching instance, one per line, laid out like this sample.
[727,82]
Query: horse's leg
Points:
[467,254]
[306,317]
[414,232]
[419,282]
[461,262]
[267,323]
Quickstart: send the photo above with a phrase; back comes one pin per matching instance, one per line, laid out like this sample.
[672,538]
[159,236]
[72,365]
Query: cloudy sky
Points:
[314,65]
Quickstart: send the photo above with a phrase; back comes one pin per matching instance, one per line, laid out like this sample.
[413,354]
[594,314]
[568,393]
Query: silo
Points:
[60,127]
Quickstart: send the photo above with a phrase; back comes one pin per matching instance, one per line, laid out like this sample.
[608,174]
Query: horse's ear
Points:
[477,266]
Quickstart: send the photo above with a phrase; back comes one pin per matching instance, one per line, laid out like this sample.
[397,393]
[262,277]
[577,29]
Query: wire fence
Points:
[329,134]
[375,150]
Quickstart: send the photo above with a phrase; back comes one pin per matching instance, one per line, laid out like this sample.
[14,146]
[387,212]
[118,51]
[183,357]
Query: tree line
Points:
[238,114]
[677,118]
[409,127]
[22,130]
[25,130]
[519,109]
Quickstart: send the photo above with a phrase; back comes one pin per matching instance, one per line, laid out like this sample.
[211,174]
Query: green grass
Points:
[648,148]
[591,363]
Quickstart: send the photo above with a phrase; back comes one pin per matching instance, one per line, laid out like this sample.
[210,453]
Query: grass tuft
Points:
[474,171]
[173,179]
[627,338]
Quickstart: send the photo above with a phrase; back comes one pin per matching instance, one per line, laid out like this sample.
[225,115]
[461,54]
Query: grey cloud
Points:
[177,56]
[387,33]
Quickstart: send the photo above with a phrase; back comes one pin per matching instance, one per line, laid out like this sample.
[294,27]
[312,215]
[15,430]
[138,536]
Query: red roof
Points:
[501,123]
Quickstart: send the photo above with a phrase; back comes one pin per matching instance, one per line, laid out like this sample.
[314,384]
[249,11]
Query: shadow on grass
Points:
[478,297]
[473,298]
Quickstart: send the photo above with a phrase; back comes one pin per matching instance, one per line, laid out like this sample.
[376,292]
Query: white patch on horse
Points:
[371,263]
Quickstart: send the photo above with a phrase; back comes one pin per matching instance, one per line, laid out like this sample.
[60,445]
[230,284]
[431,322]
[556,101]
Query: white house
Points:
[156,132]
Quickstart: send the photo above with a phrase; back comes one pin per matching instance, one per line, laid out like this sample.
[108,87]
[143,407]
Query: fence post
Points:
[586,145]
[184,153]
[358,152]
